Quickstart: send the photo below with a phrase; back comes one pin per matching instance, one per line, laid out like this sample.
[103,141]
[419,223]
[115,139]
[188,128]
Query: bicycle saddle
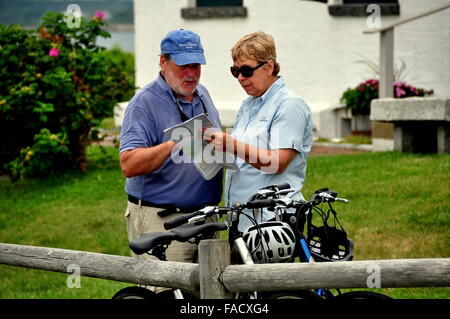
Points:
[147,242]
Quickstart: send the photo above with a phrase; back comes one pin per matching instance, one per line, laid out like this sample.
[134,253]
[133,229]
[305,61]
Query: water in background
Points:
[124,39]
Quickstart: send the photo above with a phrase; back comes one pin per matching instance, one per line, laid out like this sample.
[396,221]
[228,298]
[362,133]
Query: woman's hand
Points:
[221,141]
[269,161]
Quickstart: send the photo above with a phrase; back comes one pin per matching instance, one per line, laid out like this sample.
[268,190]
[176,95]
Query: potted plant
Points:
[358,99]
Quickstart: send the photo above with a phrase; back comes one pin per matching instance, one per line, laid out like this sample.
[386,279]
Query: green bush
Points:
[40,157]
[57,85]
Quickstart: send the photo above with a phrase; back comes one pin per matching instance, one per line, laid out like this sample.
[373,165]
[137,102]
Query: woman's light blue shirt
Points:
[277,119]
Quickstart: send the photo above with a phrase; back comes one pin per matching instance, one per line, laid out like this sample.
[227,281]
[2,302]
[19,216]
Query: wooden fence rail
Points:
[117,268]
[393,273]
[216,278]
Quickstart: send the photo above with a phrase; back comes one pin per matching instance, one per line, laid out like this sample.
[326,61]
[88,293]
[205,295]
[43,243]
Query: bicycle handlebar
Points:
[282,186]
[317,199]
[200,215]
[259,203]
[327,196]
[180,220]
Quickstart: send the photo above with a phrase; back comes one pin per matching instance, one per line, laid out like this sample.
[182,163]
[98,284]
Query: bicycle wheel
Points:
[362,295]
[294,294]
[134,293]
[169,294]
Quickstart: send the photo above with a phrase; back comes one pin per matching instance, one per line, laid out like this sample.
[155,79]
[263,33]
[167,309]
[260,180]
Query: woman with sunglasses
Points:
[272,134]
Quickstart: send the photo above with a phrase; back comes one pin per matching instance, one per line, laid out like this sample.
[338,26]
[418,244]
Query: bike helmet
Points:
[270,242]
[328,243]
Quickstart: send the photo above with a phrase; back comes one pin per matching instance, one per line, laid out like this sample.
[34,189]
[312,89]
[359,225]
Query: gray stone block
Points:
[421,125]
[410,109]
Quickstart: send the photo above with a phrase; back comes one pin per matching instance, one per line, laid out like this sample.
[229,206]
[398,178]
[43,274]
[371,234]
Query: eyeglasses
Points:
[245,70]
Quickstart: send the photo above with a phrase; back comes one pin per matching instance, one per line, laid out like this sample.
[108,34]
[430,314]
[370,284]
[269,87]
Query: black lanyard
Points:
[183,116]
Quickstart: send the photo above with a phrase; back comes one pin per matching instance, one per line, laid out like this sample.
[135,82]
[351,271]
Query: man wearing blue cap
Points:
[155,182]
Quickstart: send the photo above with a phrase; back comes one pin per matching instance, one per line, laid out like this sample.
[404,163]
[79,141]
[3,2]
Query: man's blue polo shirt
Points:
[152,110]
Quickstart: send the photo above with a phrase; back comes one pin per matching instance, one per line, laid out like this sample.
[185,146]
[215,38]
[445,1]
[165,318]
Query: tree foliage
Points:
[56,86]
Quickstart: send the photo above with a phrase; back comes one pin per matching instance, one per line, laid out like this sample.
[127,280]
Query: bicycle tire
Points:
[134,293]
[168,294]
[294,294]
[362,295]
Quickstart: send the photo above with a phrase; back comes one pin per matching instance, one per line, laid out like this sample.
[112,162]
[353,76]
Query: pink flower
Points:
[100,15]
[370,82]
[399,92]
[54,52]
[411,89]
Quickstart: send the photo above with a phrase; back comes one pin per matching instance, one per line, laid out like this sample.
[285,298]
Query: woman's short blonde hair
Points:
[257,46]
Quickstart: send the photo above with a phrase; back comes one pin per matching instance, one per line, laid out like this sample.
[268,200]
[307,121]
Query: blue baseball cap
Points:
[184,47]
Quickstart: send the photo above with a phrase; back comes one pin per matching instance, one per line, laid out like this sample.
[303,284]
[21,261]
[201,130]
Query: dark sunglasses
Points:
[245,70]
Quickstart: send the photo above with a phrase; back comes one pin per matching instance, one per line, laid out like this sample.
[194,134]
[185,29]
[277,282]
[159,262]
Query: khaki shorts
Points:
[143,219]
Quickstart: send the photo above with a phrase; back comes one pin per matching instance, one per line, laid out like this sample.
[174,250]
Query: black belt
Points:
[168,209]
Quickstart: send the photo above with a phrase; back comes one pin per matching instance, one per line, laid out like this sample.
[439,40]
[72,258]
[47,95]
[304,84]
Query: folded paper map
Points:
[193,149]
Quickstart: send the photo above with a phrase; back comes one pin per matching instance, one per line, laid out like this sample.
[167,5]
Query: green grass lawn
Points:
[399,208]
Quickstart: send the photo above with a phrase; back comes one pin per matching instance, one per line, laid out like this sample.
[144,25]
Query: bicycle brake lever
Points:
[285,201]
[265,193]
[285,191]
[196,219]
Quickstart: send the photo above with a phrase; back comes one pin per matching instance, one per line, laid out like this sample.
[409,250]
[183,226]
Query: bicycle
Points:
[253,244]
[155,244]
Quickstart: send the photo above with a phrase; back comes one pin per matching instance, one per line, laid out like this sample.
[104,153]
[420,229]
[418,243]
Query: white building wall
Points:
[317,52]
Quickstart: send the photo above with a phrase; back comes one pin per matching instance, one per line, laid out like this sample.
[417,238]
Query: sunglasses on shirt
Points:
[245,70]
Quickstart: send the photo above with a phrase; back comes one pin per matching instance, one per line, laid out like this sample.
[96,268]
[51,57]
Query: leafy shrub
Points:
[358,99]
[56,86]
[40,157]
